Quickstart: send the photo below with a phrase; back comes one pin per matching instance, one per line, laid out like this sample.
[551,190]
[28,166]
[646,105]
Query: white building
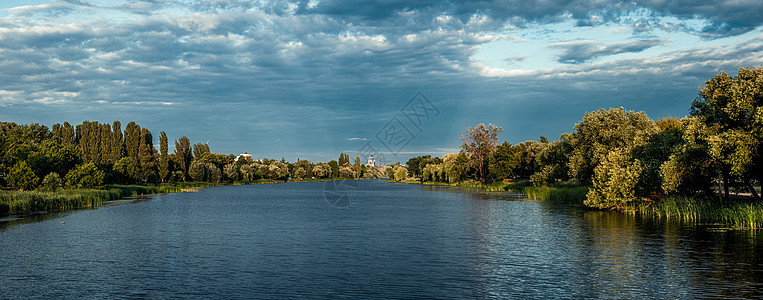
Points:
[245,155]
[371,161]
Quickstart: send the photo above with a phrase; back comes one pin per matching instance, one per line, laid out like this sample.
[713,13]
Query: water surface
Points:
[392,241]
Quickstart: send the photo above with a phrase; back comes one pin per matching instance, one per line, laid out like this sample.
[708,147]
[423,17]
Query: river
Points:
[383,240]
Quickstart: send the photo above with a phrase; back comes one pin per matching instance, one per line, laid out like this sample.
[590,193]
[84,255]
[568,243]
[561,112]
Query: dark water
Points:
[393,241]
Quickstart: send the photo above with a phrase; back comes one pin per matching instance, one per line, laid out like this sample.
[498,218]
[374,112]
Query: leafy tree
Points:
[600,132]
[85,176]
[147,153]
[126,170]
[199,149]
[346,171]
[197,171]
[615,179]
[553,162]
[731,109]
[654,153]
[164,160]
[322,170]
[357,167]
[300,172]
[51,183]
[231,172]
[213,173]
[478,143]
[132,142]
[400,172]
[21,176]
[183,154]
[503,162]
[116,145]
[334,168]
[389,171]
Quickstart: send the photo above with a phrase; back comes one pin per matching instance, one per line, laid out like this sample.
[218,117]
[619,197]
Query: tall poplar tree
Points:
[164,162]
[183,154]
[117,142]
[146,153]
[132,141]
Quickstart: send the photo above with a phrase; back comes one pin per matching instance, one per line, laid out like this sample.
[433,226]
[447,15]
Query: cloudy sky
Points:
[310,79]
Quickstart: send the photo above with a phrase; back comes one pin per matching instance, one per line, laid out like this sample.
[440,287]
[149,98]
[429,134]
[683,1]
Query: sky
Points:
[395,78]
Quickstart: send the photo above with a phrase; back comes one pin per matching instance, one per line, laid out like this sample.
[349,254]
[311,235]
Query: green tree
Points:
[214,175]
[132,142]
[183,154]
[127,170]
[615,179]
[199,149]
[400,173]
[21,176]
[334,168]
[553,162]
[731,109]
[503,162]
[147,153]
[51,183]
[600,132]
[117,142]
[164,160]
[478,143]
[231,172]
[198,171]
[85,176]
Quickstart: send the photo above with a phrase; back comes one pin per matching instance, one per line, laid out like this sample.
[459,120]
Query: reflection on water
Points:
[394,241]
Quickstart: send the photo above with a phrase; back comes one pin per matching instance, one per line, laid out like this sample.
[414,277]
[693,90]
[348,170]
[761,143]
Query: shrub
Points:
[21,176]
[85,176]
[51,183]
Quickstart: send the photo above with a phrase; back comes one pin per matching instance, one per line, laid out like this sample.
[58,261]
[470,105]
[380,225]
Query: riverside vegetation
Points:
[707,166]
[614,159]
[67,167]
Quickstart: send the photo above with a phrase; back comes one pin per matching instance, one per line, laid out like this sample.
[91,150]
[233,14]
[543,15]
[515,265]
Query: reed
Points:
[24,202]
[565,194]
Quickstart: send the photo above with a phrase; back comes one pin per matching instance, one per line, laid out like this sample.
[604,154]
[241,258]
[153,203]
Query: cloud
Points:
[582,51]
[356,139]
[278,79]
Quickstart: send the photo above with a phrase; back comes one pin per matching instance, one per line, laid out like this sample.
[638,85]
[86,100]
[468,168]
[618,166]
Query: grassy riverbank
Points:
[25,202]
[739,212]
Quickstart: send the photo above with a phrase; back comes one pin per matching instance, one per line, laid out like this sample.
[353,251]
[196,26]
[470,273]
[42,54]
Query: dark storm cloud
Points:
[288,77]
[583,51]
[725,17]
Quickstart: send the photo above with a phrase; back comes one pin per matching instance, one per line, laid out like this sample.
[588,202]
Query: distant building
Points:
[371,161]
[245,155]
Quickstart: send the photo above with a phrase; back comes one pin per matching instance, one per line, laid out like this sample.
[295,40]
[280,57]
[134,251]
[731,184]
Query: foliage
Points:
[183,154]
[731,110]
[602,131]
[478,143]
[615,180]
[197,171]
[503,161]
[51,183]
[85,176]
[231,172]
[126,169]
[21,176]
[553,162]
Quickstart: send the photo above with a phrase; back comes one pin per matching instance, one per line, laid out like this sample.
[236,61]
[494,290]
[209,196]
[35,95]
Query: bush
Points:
[614,180]
[51,183]
[21,176]
[85,176]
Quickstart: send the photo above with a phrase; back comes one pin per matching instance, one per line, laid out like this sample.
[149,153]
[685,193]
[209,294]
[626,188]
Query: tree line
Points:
[624,155]
[92,154]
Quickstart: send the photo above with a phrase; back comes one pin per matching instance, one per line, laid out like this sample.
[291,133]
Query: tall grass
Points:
[571,194]
[24,202]
[735,213]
